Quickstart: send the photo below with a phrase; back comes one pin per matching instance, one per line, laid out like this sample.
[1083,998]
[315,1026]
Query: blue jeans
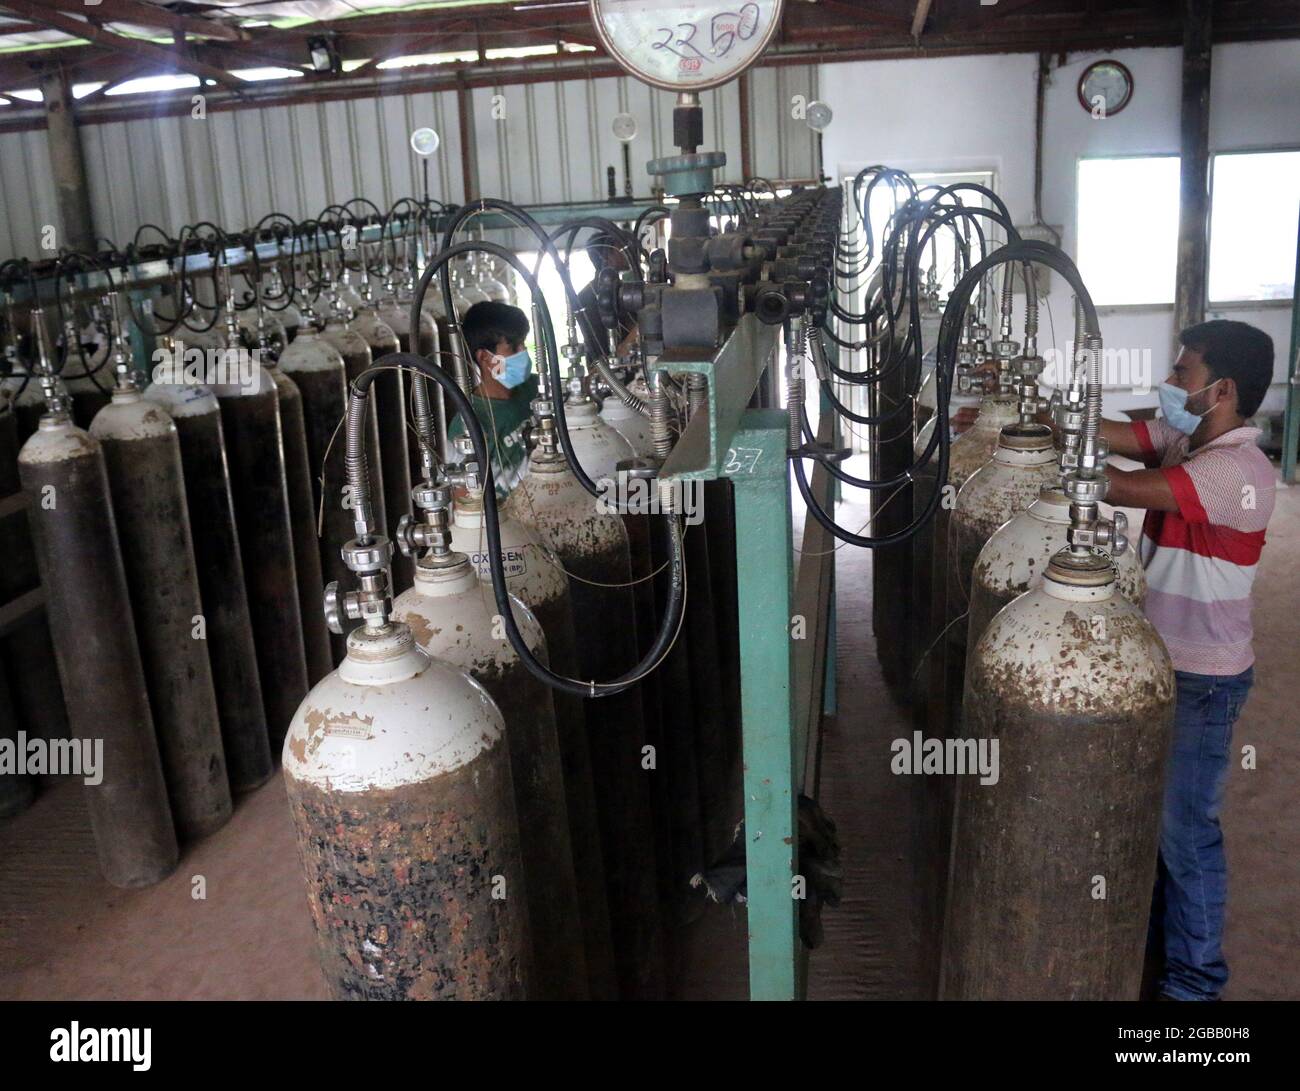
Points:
[1192,875]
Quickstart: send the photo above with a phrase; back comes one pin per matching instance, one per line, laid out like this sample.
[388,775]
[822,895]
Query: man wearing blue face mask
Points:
[494,335]
[1208,490]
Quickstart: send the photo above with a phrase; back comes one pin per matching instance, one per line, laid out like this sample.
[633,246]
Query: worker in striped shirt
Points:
[1208,492]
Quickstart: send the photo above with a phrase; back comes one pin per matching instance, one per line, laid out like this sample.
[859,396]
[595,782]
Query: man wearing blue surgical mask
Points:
[495,335]
[1208,492]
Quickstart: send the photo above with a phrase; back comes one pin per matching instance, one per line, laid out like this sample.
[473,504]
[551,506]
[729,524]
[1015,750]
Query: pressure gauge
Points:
[685,45]
[624,127]
[818,116]
[1105,88]
[424,142]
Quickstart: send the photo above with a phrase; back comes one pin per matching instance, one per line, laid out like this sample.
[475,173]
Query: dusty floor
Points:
[65,933]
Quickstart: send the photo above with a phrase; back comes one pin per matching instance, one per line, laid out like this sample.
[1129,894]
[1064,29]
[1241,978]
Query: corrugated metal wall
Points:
[27,201]
[536,143]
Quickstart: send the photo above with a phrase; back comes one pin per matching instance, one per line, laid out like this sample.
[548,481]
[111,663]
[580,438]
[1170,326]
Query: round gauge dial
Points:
[424,142]
[685,45]
[818,116]
[1105,88]
[624,127]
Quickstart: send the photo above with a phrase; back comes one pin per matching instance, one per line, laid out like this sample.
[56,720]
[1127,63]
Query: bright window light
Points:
[414,60]
[1128,228]
[29,95]
[1255,201]
[520,51]
[81,90]
[146,84]
[271,73]
[352,66]
[581,272]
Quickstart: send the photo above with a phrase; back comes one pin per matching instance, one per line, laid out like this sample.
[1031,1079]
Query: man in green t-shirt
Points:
[494,337]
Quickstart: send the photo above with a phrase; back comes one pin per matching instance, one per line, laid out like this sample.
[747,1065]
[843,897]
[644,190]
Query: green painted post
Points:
[756,464]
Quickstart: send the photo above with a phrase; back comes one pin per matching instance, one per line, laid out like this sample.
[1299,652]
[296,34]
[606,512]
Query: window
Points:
[1127,228]
[1256,198]
[581,273]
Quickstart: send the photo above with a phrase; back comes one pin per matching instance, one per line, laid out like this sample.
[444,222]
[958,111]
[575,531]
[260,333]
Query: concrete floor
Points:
[64,933]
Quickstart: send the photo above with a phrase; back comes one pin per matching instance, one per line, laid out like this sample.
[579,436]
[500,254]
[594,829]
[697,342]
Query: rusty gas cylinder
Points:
[592,545]
[146,481]
[536,577]
[1014,559]
[400,789]
[453,618]
[1054,857]
[89,610]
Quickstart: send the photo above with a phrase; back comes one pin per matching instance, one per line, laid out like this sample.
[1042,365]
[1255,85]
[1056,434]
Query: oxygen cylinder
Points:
[504,273]
[676,790]
[481,275]
[318,371]
[891,448]
[920,627]
[24,392]
[392,470]
[671,722]
[597,446]
[197,415]
[276,335]
[432,305]
[592,546]
[398,450]
[537,579]
[933,811]
[969,451]
[250,419]
[88,381]
[399,785]
[143,455]
[1014,559]
[212,339]
[1077,688]
[17,790]
[1022,463]
[349,297]
[467,290]
[720,527]
[353,346]
[454,621]
[302,512]
[290,319]
[634,427]
[25,650]
[89,612]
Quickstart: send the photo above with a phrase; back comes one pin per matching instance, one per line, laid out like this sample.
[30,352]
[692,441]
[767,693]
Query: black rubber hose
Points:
[673,610]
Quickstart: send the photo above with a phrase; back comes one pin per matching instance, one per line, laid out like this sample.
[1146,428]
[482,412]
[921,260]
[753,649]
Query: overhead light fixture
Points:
[324,54]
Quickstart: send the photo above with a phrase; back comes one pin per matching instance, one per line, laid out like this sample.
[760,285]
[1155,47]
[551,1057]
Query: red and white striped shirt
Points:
[1201,559]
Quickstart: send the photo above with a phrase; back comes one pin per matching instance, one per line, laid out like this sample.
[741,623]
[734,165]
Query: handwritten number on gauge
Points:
[725,27]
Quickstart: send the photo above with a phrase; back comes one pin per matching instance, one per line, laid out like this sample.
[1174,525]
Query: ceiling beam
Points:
[918,19]
[97,34]
[151,15]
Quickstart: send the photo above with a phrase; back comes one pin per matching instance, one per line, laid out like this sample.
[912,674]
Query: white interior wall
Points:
[977,113]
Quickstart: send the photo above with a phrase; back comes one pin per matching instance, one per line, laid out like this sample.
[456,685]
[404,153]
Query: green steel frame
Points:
[748,446]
